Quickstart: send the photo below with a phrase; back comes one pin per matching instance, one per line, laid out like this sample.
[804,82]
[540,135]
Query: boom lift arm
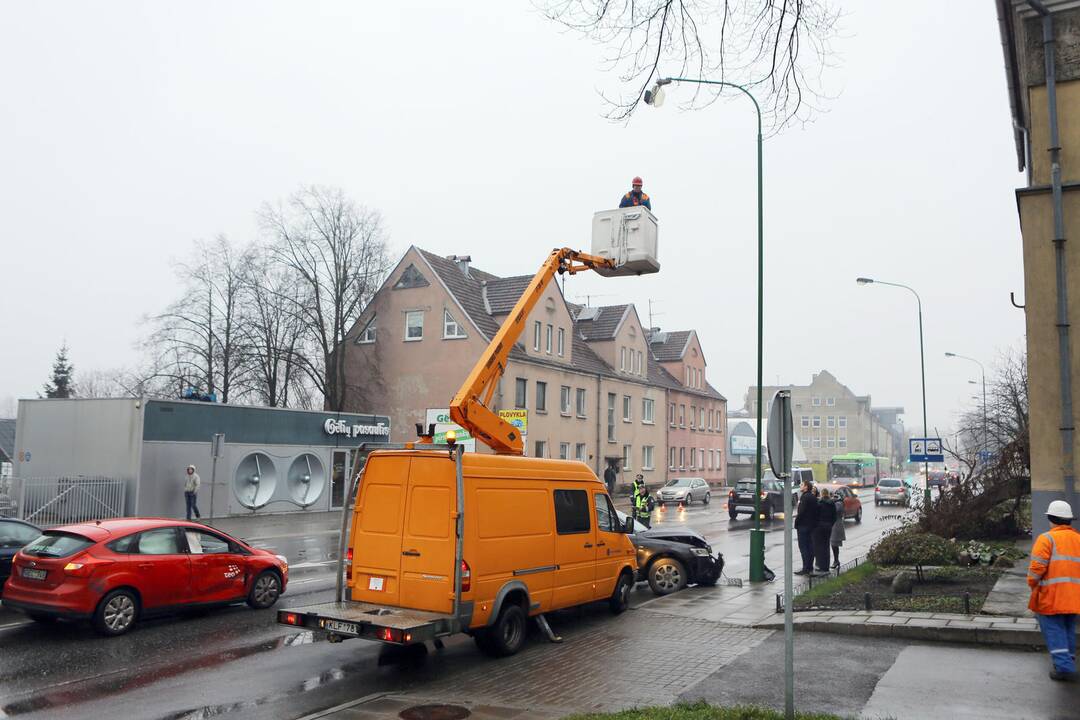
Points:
[470,407]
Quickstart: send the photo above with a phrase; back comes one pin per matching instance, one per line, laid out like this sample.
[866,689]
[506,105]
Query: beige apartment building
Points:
[582,373]
[830,419]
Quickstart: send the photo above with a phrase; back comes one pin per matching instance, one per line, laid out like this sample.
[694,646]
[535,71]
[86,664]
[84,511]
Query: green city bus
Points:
[857,469]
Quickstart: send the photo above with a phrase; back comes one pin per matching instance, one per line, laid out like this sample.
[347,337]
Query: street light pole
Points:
[922,370]
[982,369]
[655,97]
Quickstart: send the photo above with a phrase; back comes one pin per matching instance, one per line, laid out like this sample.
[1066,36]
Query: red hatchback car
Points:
[112,572]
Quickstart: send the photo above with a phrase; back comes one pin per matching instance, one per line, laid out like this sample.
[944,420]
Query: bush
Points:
[911,546]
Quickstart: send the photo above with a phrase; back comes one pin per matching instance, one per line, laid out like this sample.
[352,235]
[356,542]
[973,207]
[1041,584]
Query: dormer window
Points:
[562,342]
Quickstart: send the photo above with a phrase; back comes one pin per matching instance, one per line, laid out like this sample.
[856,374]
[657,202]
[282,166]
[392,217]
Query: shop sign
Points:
[340,427]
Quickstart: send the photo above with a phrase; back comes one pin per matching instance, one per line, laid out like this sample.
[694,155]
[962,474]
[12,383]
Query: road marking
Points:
[311,564]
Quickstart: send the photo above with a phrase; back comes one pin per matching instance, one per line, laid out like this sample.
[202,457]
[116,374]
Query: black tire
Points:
[507,635]
[689,499]
[733,515]
[858,515]
[708,497]
[116,613]
[768,510]
[265,591]
[666,576]
[42,618]
[620,599]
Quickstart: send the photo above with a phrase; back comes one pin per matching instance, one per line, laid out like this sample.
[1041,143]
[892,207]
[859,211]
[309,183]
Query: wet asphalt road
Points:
[237,663]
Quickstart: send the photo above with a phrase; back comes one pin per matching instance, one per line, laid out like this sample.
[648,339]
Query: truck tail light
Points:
[348,563]
[288,618]
[393,635]
[466,577]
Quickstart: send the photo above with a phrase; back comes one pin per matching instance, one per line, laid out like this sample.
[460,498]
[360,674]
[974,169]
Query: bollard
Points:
[866,600]
[967,603]
[779,603]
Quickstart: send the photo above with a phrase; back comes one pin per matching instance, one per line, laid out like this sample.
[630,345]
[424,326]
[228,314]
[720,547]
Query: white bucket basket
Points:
[628,236]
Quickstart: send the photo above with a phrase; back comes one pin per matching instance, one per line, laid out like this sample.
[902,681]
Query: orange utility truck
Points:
[440,541]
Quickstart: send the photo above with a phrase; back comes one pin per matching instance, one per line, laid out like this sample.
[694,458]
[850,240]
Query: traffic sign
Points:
[925,450]
[781,434]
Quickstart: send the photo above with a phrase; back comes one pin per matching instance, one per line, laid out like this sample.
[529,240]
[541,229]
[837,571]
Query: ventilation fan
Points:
[255,480]
[306,479]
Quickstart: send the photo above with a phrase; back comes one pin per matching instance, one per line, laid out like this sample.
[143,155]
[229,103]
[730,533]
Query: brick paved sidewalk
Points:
[387,706]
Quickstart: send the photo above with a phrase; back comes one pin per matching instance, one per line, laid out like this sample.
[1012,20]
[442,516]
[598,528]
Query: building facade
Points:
[830,419]
[584,376]
[1049,211]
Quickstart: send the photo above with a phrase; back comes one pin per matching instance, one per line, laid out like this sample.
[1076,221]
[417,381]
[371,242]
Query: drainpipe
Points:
[599,454]
[1064,358]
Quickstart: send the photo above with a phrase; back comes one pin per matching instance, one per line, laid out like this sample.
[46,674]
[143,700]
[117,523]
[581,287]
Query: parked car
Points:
[115,572]
[684,491]
[892,490]
[850,496]
[741,497]
[14,534]
[670,558]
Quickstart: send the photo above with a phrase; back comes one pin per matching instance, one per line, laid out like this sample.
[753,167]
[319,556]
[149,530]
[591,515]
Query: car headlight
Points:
[284,560]
[700,552]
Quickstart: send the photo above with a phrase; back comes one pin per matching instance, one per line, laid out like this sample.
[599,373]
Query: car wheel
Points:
[42,618]
[858,515]
[620,599]
[265,590]
[733,515]
[689,499]
[667,575]
[507,635]
[708,497]
[116,613]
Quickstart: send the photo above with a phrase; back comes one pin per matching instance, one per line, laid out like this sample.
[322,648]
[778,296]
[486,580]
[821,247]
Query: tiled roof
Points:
[7,436]
[670,345]
[503,293]
[604,325]
[467,290]
[659,376]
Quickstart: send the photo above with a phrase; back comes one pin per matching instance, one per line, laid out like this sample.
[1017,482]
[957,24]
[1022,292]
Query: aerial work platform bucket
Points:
[628,236]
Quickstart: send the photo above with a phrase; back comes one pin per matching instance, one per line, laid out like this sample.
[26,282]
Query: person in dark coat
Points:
[839,534]
[610,475]
[826,518]
[636,196]
[805,522]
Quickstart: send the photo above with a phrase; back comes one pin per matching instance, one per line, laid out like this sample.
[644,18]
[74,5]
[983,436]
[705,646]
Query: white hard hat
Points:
[1060,509]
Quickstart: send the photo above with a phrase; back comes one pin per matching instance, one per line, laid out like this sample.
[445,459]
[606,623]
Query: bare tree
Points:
[776,48]
[337,249]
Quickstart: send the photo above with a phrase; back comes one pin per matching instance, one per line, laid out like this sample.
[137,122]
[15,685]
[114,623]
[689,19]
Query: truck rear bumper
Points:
[385,623]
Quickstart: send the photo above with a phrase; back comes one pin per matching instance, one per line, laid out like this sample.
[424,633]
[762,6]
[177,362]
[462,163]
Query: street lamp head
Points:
[655,96]
[864,281]
[972,382]
[949,354]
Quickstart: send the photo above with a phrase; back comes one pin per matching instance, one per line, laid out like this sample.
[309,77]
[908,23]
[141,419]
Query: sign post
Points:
[926,450]
[781,444]
[217,446]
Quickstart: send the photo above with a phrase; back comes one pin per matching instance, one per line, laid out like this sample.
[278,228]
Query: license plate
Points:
[34,574]
[342,627]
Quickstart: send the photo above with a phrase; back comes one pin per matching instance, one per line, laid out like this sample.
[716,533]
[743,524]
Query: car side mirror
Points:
[628,526]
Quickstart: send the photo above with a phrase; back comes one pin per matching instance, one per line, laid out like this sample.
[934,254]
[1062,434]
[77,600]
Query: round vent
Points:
[306,479]
[255,480]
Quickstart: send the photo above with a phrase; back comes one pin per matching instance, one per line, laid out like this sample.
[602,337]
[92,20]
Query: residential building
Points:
[582,373]
[829,418]
[1049,213]
[696,413]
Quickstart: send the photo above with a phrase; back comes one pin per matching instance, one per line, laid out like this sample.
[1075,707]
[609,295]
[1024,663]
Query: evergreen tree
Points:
[62,384]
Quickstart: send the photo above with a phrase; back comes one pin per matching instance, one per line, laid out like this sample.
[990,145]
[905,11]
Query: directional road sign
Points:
[925,450]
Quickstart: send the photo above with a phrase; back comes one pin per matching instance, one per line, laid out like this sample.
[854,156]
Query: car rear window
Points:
[889,482]
[57,545]
[746,485]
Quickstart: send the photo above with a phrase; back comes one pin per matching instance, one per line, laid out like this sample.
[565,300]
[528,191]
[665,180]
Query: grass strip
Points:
[830,586]
[701,711]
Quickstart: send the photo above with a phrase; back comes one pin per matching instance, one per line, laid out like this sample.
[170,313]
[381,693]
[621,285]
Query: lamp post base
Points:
[757,555]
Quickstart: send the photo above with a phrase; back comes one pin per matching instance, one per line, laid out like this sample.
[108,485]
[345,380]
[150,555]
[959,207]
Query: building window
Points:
[671,414]
[541,449]
[687,376]
[640,364]
[414,325]
[817,442]
[561,346]
[367,335]
[693,454]
[579,452]
[611,417]
[648,411]
[627,408]
[521,389]
[701,418]
[581,402]
[682,415]
[536,335]
[564,451]
[842,442]
[842,421]
[647,457]
[541,396]
[815,401]
[830,442]
[830,401]
[451,329]
[805,422]
[547,339]
[701,458]
[693,417]
[626,449]
[719,459]
[564,399]
[671,458]
[682,458]
[830,421]
[817,421]
[622,358]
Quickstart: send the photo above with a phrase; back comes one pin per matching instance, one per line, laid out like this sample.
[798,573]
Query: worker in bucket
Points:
[636,196]
[641,501]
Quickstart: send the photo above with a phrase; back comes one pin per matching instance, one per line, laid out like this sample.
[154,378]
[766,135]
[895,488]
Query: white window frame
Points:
[564,400]
[829,402]
[622,359]
[370,331]
[580,400]
[541,449]
[521,382]
[648,411]
[627,453]
[541,393]
[693,417]
[815,401]
[842,441]
[841,421]
[564,451]
[817,442]
[671,458]
[560,342]
[448,323]
[547,338]
[805,421]
[537,332]
[830,441]
[640,363]
[830,421]
[682,415]
[581,452]
[817,421]
[682,458]
[671,414]
[627,408]
[647,457]
[410,315]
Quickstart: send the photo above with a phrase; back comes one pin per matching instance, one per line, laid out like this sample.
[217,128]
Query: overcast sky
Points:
[129,129]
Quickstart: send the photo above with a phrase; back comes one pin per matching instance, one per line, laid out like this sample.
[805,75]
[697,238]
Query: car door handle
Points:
[146,566]
[588,545]
[411,553]
[600,544]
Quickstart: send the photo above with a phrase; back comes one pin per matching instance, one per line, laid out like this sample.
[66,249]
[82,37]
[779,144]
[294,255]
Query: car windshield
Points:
[680,482]
[889,482]
[57,545]
[638,527]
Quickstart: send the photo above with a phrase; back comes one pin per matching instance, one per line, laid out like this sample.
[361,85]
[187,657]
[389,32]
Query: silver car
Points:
[892,490]
[684,491]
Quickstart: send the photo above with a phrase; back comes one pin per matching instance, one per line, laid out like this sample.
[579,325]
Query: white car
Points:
[684,491]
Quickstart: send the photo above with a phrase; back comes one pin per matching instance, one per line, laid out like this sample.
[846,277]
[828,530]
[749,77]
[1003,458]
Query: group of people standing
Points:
[819,524]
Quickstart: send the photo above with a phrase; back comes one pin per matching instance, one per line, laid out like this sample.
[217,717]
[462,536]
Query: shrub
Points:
[911,546]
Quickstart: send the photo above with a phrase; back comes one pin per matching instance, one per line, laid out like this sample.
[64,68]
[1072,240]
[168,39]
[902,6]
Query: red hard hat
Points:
[636,181]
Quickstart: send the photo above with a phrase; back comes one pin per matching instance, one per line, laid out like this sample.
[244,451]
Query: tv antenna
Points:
[653,314]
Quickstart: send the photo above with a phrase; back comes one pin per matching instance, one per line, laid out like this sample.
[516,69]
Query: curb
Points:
[343,706]
[925,630]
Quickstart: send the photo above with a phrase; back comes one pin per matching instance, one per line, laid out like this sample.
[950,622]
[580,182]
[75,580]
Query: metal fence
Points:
[62,500]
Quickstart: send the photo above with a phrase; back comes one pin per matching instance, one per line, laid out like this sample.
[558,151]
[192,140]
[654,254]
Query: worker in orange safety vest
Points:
[636,196]
[1054,578]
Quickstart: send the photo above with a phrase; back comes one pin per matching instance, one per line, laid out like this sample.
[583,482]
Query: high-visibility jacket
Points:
[1054,573]
[635,198]
[641,502]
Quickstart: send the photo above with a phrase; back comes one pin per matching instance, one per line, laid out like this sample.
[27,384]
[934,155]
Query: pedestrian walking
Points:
[610,475]
[805,521]
[191,491]
[823,530]
[1054,579]
[839,533]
